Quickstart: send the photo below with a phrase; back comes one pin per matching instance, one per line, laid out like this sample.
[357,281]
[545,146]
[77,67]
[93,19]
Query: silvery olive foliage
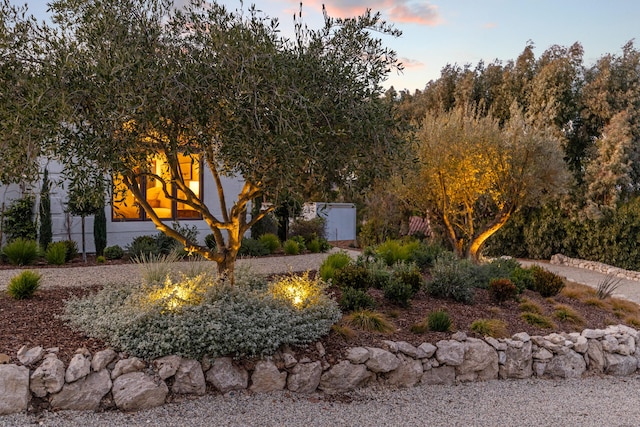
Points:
[240,320]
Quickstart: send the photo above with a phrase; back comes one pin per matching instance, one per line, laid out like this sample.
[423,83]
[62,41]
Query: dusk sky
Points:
[440,32]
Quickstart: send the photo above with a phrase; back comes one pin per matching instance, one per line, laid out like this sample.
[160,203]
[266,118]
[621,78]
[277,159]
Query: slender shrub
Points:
[21,251]
[607,286]
[24,285]
[45,234]
[100,231]
[56,253]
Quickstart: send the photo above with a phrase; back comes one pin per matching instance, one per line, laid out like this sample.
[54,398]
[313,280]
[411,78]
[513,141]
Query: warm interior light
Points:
[195,187]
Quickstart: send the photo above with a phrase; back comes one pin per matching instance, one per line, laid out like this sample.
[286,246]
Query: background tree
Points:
[140,80]
[472,174]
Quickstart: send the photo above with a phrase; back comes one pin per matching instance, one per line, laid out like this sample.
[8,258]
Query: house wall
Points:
[340,219]
[65,226]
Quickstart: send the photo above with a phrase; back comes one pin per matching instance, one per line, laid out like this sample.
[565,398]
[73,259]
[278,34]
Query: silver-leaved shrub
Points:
[241,320]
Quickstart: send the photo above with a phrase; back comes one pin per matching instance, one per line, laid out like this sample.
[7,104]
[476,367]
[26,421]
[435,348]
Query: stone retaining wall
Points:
[621,273]
[107,379]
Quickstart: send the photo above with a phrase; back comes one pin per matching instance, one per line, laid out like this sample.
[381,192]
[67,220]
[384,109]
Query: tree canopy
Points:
[141,79]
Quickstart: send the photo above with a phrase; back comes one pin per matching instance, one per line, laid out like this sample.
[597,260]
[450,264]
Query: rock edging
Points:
[107,379]
[621,273]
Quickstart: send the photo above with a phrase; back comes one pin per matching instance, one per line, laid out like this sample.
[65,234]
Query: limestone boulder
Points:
[79,367]
[620,365]
[84,394]
[135,391]
[225,376]
[266,377]
[345,376]
[357,354]
[48,377]
[305,377]
[189,378]
[595,356]
[519,361]
[126,366]
[381,360]
[408,374]
[14,389]
[569,365]
[480,361]
[440,375]
[450,352]
[167,366]
[101,359]
[30,356]
[426,350]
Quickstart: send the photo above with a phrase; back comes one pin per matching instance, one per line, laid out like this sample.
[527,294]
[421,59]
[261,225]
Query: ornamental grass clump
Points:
[56,253]
[370,321]
[332,263]
[24,285]
[212,317]
[21,251]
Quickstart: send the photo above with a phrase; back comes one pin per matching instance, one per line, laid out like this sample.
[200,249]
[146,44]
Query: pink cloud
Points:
[489,25]
[410,63]
[419,12]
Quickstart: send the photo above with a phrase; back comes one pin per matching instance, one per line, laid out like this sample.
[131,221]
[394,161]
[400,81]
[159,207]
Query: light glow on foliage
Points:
[187,291]
[300,291]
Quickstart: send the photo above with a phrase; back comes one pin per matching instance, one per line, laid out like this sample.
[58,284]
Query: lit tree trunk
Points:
[473,251]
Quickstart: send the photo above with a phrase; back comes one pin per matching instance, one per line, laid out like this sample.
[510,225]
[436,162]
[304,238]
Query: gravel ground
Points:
[587,402]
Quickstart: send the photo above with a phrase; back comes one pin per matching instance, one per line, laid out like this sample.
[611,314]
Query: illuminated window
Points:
[125,207]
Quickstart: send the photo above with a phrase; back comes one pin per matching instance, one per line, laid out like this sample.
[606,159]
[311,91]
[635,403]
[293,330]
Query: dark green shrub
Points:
[100,231]
[18,219]
[252,247]
[452,278]
[72,249]
[546,283]
[300,241]
[398,292]
[164,245]
[113,252]
[500,268]
[502,290]
[356,299]
[308,229]
[45,235]
[522,278]
[332,263]
[439,321]
[314,246]
[56,253]
[352,276]
[21,251]
[426,254]
[408,274]
[210,242]
[142,246]
[24,285]
[291,247]
[270,241]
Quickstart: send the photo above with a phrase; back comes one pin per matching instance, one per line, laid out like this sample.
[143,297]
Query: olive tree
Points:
[471,174]
[140,79]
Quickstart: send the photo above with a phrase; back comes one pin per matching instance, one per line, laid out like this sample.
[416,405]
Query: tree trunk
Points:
[473,251]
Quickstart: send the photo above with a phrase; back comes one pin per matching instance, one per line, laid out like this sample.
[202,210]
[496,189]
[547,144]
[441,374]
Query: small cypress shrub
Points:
[502,290]
[45,235]
[439,321]
[24,285]
[270,241]
[356,299]
[113,252]
[56,253]
[21,251]
[100,231]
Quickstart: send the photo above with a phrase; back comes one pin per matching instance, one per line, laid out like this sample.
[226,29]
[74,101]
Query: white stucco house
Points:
[124,220]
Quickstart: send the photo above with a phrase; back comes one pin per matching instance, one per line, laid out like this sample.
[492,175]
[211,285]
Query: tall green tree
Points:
[45,235]
[140,79]
[472,174]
